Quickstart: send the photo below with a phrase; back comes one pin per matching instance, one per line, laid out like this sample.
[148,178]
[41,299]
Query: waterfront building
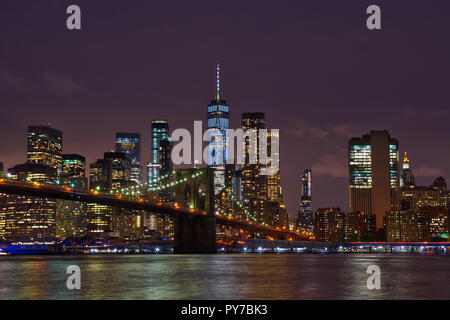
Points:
[334,225]
[403,226]
[130,143]
[30,218]
[373,175]
[3,198]
[327,225]
[305,218]
[426,224]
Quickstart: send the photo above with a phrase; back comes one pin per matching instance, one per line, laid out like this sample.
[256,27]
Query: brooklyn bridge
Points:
[195,220]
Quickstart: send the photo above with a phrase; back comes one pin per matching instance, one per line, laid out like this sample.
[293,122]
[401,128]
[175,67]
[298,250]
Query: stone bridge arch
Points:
[195,234]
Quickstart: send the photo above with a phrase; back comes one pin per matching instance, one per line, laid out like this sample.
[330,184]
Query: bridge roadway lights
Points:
[195,234]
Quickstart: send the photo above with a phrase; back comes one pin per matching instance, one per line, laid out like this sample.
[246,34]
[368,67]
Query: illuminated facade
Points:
[218,118]
[112,173]
[254,185]
[373,175]
[274,192]
[71,216]
[275,214]
[100,179]
[334,225]
[74,171]
[305,219]
[44,146]
[159,132]
[30,218]
[3,198]
[416,197]
[426,224]
[120,169]
[130,143]
[165,173]
[100,175]
[407,178]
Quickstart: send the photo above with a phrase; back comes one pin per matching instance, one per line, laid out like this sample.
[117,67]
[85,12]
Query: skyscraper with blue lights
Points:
[159,133]
[218,118]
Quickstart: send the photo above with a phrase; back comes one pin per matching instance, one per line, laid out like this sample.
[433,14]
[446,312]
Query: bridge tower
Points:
[195,234]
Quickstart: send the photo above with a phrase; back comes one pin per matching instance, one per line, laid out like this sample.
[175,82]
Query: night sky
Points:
[313,67]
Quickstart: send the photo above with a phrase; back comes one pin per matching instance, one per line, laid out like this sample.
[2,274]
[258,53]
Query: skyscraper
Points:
[121,169]
[45,146]
[159,132]
[130,143]
[124,223]
[71,215]
[98,215]
[165,173]
[74,171]
[34,218]
[273,181]
[305,219]
[254,185]
[100,175]
[373,174]
[407,178]
[218,118]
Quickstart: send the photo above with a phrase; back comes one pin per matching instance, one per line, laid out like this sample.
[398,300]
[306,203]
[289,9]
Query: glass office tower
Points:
[218,118]
[130,143]
[71,216]
[159,132]
[373,174]
[44,146]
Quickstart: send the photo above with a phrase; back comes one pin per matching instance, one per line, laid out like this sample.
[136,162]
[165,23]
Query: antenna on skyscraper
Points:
[218,81]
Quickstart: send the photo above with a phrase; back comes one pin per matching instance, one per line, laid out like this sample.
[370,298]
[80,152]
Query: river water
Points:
[227,276]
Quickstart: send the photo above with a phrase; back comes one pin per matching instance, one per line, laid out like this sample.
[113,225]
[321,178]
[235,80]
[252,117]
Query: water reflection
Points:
[228,276]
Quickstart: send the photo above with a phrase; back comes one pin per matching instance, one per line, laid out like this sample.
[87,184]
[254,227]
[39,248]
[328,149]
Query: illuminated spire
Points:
[405,159]
[218,81]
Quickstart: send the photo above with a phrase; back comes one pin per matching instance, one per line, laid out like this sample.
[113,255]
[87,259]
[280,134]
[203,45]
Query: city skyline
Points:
[76,89]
